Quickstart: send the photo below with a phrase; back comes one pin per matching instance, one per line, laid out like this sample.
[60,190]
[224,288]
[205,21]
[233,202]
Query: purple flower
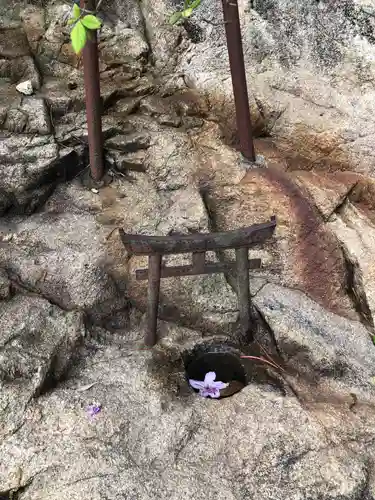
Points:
[93,410]
[209,388]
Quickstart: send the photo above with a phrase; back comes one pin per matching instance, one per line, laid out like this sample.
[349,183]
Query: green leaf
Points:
[187,12]
[175,17]
[71,21]
[91,22]
[194,4]
[76,11]
[78,36]
[373,339]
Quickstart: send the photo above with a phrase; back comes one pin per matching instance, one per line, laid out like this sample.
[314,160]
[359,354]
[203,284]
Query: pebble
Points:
[25,88]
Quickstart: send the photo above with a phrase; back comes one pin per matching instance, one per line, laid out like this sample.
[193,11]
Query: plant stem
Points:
[256,358]
[269,357]
[98,5]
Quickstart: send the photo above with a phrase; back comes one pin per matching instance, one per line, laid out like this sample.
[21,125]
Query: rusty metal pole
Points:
[93,99]
[154,269]
[243,289]
[237,69]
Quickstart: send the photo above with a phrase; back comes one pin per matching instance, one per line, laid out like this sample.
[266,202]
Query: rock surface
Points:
[71,310]
[303,251]
[38,342]
[308,336]
[257,444]
[31,167]
[309,68]
[348,225]
[62,258]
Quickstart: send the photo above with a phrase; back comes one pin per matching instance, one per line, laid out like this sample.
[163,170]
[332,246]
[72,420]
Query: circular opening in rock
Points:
[221,359]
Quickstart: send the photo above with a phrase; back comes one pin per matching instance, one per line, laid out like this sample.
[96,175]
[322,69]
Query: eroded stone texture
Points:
[31,166]
[303,250]
[328,191]
[173,172]
[27,115]
[37,344]
[4,285]
[62,257]
[318,342]
[357,236]
[309,69]
[155,439]
[16,62]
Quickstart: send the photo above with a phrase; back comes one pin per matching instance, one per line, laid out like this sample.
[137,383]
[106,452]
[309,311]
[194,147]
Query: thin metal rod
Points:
[243,289]
[93,100]
[154,269]
[237,69]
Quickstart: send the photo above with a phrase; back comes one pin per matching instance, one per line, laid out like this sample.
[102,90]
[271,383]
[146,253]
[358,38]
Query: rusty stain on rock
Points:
[319,254]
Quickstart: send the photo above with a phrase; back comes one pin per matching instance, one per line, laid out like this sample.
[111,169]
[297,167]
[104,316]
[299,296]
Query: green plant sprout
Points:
[82,24]
[187,11]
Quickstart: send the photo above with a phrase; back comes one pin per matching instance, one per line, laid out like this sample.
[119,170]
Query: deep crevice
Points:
[356,293]
[150,55]
[343,202]
[15,493]
[194,32]
[52,379]
[61,170]
[264,325]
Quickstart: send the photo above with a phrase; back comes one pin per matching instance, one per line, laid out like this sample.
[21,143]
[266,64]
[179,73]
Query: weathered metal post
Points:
[243,288]
[93,99]
[237,69]
[154,267]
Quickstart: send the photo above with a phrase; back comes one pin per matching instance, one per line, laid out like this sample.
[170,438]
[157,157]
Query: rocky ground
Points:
[71,312]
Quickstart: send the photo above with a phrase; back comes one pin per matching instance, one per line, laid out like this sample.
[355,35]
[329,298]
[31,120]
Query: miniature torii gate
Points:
[197,244]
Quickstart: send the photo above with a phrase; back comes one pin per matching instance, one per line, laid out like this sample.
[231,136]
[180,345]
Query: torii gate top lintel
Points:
[139,244]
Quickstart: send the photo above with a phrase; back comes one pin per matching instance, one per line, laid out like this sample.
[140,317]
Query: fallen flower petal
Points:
[219,385]
[93,410]
[209,378]
[210,392]
[196,384]
[208,388]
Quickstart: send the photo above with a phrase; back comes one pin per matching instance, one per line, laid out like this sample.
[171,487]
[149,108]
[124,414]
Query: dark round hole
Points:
[221,359]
